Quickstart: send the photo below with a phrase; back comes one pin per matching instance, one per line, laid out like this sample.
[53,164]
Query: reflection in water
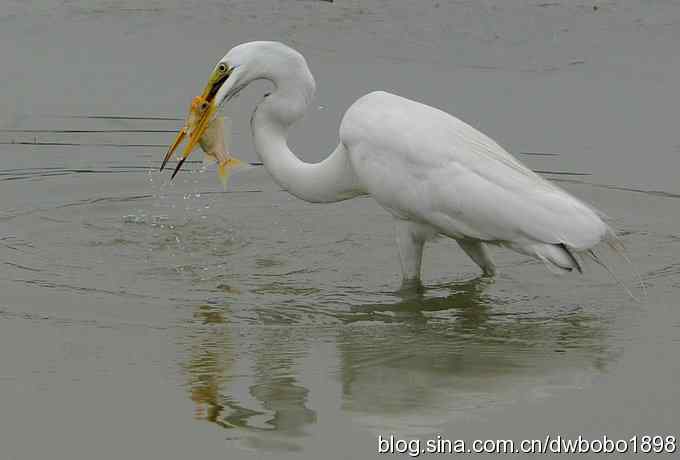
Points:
[419,360]
[250,383]
[276,385]
[208,365]
[464,350]
[413,305]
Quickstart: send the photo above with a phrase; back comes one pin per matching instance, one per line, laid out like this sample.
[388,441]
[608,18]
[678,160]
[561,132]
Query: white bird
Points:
[435,174]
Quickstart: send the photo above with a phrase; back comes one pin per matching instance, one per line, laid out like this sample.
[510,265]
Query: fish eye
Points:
[222,67]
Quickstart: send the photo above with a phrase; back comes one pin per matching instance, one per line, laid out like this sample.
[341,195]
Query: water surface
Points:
[145,319]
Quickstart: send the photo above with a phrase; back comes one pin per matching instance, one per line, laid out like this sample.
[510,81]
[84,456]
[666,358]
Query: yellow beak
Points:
[178,140]
[201,111]
[200,114]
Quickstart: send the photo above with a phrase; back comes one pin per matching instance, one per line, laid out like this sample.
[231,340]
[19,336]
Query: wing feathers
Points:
[435,168]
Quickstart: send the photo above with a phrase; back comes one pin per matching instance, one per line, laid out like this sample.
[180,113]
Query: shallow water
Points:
[142,318]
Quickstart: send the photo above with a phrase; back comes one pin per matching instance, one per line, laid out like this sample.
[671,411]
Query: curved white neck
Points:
[327,181]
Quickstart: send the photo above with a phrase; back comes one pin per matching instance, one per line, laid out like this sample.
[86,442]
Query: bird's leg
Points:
[410,243]
[479,253]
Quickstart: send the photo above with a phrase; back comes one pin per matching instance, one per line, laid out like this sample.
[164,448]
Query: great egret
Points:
[434,173]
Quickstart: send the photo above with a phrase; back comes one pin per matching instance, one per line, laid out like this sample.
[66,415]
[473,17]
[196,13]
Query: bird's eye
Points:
[222,67]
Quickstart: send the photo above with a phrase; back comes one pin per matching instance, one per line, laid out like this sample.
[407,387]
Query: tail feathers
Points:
[557,258]
[560,258]
[571,256]
[596,259]
[614,242]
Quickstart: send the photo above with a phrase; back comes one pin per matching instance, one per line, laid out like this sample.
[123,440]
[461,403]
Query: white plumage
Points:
[434,173]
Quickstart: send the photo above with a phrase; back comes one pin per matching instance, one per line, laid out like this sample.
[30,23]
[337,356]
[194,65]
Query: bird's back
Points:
[426,165]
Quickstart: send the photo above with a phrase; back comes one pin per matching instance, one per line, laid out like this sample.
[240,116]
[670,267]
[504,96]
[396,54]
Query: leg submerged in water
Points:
[411,239]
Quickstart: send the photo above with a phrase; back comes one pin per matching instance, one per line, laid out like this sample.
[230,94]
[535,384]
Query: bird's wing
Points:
[428,165]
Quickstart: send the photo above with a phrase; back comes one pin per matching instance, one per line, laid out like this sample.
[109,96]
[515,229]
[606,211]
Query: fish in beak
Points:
[205,129]
[201,112]
[214,146]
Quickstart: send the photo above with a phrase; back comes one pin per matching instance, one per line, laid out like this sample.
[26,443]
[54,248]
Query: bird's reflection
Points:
[450,347]
[209,363]
[245,382]
[412,302]
[458,350]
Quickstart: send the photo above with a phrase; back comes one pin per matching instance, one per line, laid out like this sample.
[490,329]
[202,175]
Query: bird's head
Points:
[239,67]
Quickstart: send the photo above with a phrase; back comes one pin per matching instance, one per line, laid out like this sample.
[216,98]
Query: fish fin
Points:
[225,167]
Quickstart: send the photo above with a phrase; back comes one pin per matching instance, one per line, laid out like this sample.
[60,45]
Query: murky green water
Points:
[141,319]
